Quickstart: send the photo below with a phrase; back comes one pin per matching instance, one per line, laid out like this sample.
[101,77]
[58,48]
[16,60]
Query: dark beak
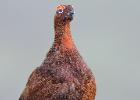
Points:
[71,12]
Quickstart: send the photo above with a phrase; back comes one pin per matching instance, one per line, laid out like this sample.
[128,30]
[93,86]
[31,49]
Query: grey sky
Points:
[106,32]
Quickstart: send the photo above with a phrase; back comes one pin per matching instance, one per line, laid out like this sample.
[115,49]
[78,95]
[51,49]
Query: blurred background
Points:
[106,32]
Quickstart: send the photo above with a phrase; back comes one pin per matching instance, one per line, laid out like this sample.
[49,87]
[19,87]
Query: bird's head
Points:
[64,13]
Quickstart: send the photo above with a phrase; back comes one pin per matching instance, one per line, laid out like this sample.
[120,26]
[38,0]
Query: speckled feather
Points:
[63,75]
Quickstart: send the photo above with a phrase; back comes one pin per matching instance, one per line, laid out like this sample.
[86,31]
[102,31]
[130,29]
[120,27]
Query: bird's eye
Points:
[60,11]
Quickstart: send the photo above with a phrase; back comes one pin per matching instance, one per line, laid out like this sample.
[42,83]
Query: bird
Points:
[63,74]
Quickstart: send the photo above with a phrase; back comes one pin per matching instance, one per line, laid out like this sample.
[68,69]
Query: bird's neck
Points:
[63,36]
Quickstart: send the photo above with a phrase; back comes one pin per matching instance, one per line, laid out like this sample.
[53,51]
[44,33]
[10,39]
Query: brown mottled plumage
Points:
[63,75]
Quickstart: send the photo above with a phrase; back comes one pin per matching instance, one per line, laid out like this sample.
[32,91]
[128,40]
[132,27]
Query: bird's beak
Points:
[71,12]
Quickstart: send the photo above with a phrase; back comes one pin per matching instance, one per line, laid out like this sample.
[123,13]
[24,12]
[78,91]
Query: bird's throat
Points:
[63,36]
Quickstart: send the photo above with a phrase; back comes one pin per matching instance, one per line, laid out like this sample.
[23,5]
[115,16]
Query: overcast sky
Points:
[106,32]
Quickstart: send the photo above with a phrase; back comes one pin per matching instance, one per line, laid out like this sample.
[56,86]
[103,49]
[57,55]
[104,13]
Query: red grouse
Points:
[63,75]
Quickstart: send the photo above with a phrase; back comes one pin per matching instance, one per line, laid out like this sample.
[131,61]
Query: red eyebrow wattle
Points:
[62,7]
